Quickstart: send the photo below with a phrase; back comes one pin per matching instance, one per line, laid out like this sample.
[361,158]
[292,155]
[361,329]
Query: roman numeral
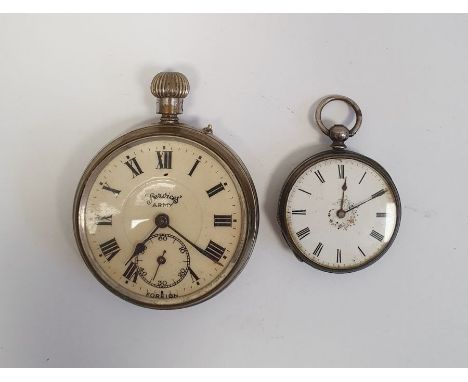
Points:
[377,235]
[318,249]
[381,214]
[214,251]
[109,249]
[104,220]
[215,189]
[303,233]
[134,166]
[194,276]
[365,172]
[222,221]
[304,191]
[163,159]
[131,273]
[338,255]
[378,193]
[319,176]
[341,171]
[360,250]
[106,187]
[194,166]
[298,212]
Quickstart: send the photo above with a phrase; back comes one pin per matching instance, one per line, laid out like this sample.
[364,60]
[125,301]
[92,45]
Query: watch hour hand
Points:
[341,213]
[141,247]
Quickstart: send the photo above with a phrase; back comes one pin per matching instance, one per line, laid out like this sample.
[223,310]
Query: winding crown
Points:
[170,89]
[170,85]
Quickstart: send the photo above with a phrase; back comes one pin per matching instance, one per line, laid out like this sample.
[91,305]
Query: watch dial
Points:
[341,213]
[163,221]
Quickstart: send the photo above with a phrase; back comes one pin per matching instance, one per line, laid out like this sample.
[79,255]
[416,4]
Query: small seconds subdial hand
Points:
[161,260]
[373,196]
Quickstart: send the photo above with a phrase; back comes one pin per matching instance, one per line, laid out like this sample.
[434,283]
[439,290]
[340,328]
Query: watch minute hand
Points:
[202,251]
[373,196]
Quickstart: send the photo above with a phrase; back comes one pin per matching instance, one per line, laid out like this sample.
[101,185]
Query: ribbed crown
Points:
[170,85]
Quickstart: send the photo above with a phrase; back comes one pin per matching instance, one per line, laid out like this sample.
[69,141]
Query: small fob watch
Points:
[339,211]
[166,216]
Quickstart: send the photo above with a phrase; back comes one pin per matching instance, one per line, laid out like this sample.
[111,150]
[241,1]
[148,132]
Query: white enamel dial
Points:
[163,221]
[341,213]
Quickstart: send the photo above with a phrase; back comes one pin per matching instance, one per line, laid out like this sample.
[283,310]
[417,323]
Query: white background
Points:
[70,84]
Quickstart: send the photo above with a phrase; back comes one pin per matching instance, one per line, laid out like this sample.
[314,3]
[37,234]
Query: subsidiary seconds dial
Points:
[165,262]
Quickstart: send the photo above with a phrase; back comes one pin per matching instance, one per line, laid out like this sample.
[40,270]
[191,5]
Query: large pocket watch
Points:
[339,211]
[166,216]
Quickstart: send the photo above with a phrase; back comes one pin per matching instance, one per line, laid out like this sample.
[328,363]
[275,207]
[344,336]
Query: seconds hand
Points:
[160,260]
